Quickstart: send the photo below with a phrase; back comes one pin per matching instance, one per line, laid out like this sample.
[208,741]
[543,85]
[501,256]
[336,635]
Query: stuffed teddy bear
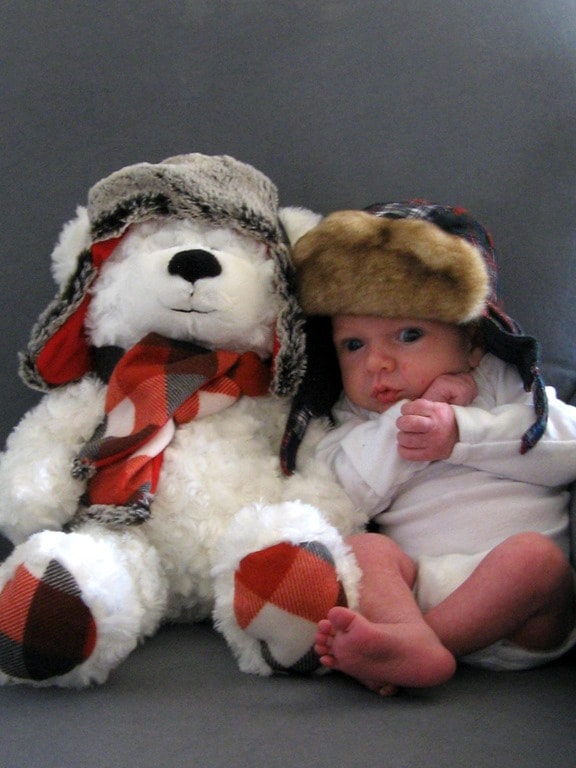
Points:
[145,486]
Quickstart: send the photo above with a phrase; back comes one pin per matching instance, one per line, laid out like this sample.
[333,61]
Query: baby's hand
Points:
[427,430]
[455,388]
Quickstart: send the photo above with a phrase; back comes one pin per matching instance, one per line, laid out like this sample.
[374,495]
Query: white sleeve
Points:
[364,457]
[490,433]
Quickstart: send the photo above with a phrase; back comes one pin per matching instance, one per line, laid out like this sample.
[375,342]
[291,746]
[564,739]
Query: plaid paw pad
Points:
[45,628]
[280,595]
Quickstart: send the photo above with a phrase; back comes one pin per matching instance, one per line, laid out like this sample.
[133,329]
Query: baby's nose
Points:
[381,360]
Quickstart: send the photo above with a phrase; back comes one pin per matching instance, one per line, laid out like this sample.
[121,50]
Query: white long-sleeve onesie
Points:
[485,492]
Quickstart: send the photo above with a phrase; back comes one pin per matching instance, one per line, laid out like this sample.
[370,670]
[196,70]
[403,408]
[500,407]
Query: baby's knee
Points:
[539,555]
[532,544]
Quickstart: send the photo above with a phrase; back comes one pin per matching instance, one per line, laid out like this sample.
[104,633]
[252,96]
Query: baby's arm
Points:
[490,441]
[362,453]
[363,456]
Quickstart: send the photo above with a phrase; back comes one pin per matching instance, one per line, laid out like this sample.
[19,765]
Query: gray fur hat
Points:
[216,189]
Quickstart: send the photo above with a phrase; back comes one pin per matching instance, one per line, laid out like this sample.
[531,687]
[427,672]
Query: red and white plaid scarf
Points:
[157,385]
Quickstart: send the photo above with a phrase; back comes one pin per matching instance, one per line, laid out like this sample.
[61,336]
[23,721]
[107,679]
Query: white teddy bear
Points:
[146,486]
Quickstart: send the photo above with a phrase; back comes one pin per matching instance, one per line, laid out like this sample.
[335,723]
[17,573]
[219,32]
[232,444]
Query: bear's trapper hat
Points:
[218,190]
[414,260]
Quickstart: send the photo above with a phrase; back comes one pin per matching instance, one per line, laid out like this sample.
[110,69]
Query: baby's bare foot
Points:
[382,656]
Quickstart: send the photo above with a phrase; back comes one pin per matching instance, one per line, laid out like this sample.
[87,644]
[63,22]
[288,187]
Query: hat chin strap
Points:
[532,435]
[318,391]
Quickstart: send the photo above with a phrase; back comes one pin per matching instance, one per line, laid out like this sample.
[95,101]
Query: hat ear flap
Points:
[318,391]
[58,351]
[503,337]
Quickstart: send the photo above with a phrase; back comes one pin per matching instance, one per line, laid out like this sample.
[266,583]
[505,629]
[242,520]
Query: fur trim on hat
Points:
[359,264]
[217,189]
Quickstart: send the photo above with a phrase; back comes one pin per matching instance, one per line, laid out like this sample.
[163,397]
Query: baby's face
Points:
[384,360]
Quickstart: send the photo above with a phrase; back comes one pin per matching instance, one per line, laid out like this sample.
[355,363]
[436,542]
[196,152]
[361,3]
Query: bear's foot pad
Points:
[46,629]
[280,595]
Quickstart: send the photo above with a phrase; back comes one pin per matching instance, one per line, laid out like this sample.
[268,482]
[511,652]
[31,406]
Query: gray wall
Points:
[340,102]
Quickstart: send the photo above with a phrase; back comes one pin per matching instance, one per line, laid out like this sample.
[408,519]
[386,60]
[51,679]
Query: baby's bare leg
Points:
[523,591]
[388,643]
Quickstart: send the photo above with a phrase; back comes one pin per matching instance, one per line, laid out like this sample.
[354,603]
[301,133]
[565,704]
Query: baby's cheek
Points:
[418,380]
[411,373]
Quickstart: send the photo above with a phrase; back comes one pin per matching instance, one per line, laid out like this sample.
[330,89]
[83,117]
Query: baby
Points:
[471,503]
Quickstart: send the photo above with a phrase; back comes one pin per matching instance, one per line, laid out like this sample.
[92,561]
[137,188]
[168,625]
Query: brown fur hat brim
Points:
[355,263]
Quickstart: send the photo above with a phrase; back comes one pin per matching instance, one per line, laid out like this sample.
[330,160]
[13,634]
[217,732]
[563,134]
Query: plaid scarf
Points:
[157,385]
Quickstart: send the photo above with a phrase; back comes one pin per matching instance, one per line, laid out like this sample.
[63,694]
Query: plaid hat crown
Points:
[423,261]
[406,259]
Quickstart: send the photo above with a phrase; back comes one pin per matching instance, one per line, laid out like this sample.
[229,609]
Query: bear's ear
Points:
[74,240]
[297,221]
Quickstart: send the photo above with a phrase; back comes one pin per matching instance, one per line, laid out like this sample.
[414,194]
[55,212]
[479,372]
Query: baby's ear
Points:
[477,345]
[476,354]
[297,221]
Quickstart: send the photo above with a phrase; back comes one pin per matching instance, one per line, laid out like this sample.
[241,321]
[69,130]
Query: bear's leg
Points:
[274,586]
[46,629]
[73,606]
[281,593]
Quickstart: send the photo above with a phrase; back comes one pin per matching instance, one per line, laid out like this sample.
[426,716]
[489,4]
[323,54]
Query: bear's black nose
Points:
[194,265]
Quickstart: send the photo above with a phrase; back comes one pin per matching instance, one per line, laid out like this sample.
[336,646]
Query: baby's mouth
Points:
[386,396]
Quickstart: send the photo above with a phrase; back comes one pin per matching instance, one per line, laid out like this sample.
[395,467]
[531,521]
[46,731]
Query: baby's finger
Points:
[418,424]
[411,440]
[418,407]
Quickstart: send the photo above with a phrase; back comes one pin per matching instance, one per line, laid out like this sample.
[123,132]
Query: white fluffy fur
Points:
[135,294]
[215,466]
[297,221]
[104,564]
[74,238]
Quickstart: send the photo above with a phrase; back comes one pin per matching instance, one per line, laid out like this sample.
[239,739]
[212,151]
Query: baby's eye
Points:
[351,345]
[409,335]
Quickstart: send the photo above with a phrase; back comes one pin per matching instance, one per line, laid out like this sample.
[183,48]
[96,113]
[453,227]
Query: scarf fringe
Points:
[112,516]
[83,469]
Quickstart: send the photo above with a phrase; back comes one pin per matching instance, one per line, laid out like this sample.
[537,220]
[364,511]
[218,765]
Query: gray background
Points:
[342,103]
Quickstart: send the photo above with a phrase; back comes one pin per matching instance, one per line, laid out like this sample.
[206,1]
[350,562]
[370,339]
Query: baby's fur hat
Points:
[355,263]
